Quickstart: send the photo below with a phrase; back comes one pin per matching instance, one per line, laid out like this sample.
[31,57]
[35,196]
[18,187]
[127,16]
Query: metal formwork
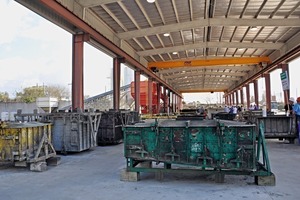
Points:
[110,129]
[210,146]
[75,131]
[112,121]
[276,126]
[25,142]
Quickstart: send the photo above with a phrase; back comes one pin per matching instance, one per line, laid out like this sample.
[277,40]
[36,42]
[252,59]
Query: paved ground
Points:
[95,174]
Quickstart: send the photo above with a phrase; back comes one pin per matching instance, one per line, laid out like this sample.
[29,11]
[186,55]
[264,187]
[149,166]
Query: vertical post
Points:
[158,97]
[226,99]
[169,100]
[255,84]
[233,98]
[77,71]
[165,99]
[150,89]
[116,82]
[175,103]
[242,96]
[268,91]
[137,89]
[248,96]
[237,96]
[285,67]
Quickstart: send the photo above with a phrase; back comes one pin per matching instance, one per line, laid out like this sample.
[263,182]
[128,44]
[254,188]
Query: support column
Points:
[230,100]
[226,98]
[150,89]
[255,84]
[248,96]
[169,102]
[268,91]
[242,96]
[233,99]
[77,71]
[137,89]
[237,97]
[165,99]
[116,82]
[173,102]
[285,67]
[158,97]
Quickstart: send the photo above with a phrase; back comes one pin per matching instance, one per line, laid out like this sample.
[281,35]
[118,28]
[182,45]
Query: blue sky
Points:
[35,51]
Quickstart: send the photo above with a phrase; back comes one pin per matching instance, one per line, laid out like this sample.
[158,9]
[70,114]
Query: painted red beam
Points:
[77,22]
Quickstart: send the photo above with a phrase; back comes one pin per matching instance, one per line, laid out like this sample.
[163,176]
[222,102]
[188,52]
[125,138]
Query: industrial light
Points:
[150,1]
[253,28]
[166,34]
[241,48]
[175,53]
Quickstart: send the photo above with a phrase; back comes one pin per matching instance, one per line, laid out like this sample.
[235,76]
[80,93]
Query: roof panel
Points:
[196,33]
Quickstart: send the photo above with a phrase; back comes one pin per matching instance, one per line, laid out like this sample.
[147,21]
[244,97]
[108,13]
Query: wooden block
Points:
[129,176]
[38,166]
[265,180]
[53,161]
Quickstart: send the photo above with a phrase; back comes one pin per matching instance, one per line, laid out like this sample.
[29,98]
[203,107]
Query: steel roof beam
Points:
[92,3]
[70,17]
[209,62]
[193,74]
[273,46]
[209,22]
[291,54]
[201,90]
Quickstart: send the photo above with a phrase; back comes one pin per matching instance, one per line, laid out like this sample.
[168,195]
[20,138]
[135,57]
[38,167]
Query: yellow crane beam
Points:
[209,62]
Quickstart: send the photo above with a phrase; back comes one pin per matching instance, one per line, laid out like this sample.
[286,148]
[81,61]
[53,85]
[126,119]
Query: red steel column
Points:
[285,67]
[237,97]
[175,103]
[116,82]
[150,89]
[248,96]
[165,99]
[242,96]
[137,89]
[227,99]
[268,91]
[77,71]
[255,84]
[169,102]
[158,97]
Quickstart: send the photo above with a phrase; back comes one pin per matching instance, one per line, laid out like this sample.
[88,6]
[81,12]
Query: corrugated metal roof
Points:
[200,29]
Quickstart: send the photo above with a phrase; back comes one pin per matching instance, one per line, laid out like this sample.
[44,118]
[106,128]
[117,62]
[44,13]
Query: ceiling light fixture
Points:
[166,34]
[253,28]
[175,53]
[150,1]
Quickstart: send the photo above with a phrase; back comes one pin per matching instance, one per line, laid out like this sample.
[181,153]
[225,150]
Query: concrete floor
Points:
[95,174]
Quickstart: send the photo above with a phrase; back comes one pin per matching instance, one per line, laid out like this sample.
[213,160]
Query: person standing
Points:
[296,110]
[289,107]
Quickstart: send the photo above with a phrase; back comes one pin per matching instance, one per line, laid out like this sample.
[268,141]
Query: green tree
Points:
[30,94]
[56,91]
[4,97]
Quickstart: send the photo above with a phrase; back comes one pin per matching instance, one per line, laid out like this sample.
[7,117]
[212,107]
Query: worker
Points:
[296,110]
[289,107]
